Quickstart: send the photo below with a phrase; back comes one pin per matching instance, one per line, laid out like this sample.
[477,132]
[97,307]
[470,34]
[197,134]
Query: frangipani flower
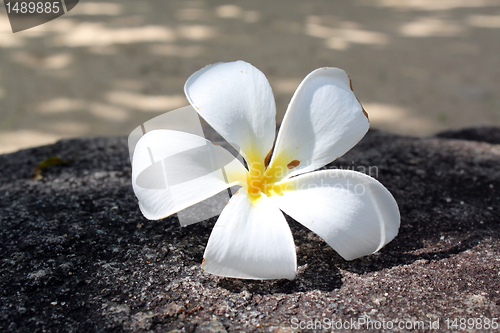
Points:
[251,239]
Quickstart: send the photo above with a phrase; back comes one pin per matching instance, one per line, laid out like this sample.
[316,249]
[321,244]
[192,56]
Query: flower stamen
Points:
[262,180]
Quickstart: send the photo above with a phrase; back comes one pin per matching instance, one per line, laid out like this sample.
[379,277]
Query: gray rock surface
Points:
[76,255]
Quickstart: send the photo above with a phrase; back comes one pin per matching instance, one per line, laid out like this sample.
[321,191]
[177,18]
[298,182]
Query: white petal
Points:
[324,120]
[237,101]
[352,212]
[251,242]
[173,170]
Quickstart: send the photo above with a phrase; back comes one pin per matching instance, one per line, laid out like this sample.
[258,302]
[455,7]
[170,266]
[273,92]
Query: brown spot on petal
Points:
[293,164]
[362,108]
[203,261]
[350,82]
[366,113]
[266,160]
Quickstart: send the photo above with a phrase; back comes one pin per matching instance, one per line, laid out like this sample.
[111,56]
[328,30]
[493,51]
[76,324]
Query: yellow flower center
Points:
[263,181]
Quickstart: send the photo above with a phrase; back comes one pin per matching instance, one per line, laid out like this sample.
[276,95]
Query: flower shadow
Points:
[445,190]
[317,269]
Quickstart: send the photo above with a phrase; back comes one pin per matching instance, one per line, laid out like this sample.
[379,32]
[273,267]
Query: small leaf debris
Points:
[48,162]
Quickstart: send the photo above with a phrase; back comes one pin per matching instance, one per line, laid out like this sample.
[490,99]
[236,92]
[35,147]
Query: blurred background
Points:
[417,66]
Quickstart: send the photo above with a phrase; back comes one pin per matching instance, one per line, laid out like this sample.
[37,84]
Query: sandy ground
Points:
[418,66]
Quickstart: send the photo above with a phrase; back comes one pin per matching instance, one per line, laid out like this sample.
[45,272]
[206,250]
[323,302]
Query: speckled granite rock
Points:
[77,255]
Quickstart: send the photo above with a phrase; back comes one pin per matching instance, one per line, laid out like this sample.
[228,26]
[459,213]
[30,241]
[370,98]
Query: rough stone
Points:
[76,255]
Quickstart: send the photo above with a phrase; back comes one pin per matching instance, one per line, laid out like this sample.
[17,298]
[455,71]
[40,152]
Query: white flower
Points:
[352,212]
